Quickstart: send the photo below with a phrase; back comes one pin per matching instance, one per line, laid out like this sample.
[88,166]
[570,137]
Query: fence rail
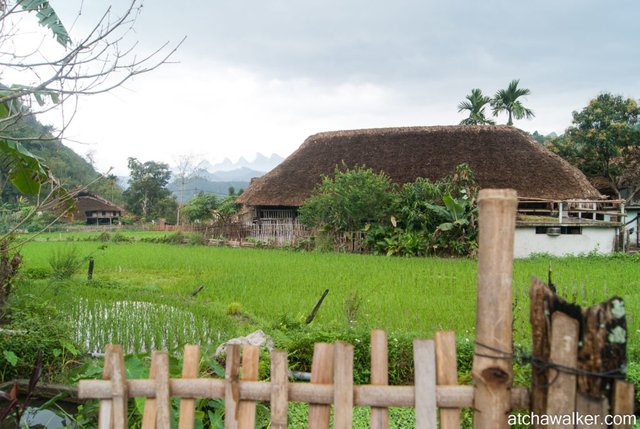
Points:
[570,374]
[331,385]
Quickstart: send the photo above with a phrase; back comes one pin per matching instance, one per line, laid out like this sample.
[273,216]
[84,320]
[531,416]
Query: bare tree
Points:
[185,169]
[40,76]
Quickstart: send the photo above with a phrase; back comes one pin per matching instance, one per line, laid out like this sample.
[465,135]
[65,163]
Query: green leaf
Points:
[56,352]
[10,357]
[47,17]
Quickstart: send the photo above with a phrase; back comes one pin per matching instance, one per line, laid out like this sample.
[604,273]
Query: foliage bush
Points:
[35,326]
[65,261]
[415,219]
[349,200]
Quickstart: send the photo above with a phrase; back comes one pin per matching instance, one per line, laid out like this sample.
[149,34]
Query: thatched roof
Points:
[500,157]
[88,201]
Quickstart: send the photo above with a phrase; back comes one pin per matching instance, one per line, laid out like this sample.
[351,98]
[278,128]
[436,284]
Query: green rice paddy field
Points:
[141,292]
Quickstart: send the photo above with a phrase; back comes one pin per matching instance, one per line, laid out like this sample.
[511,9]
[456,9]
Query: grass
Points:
[418,295]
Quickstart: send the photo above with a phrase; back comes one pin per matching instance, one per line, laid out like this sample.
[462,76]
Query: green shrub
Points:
[36,273]
[104,236]
[34,326]
[65,261]
[195,238]
[120,238]
[234,309]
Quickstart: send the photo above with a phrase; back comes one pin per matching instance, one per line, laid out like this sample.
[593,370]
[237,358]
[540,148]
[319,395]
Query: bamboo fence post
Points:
[231,388]
[163,394]
[379,375]
[106,405]
[492,364]
[447,374]
[623,402]
[342,385]
[424,361]
[321,373]
[118,389]
[190,370]
[150,408]
[561,398]
[247,409]
[279,389]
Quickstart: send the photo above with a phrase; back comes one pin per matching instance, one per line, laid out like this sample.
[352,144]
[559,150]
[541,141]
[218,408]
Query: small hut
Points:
[554,196]
[96,210]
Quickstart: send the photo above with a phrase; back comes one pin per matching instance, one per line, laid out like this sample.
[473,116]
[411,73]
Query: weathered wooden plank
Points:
[564,351]
[321,373]
[492,368]
[118,390]
[592,411]
[163,393]
[231,389]
[447,374]
[150,408]
[279,389]
[247,409]
[105,408]
[190,371]
[379,376]
[623,402]
[424,361]
[343,385]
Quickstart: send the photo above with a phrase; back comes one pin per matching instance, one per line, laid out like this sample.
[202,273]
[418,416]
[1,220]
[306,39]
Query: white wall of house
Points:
[527,242]
[631,214]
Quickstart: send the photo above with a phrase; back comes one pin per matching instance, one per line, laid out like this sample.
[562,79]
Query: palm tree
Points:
[507,100]
[475,103]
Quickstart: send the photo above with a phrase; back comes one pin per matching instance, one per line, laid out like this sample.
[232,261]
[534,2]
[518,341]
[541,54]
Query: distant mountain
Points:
[217,178]
[198,184]
[260,163]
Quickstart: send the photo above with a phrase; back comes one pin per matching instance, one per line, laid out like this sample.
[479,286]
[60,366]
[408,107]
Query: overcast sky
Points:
[261,75]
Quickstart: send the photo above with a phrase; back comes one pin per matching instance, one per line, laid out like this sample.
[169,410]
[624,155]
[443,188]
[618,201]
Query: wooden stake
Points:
[279,389]
[447,374]
[118,389]
[623,402]
[379,376]
[150,408]
[247,409]
[424,361]
[163,394]
[342,385]
[492,367]
[321,373]
[104,414]
[190,370]
[231,392]
[564,351]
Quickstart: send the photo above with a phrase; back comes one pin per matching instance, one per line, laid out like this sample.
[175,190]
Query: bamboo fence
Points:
[574,370]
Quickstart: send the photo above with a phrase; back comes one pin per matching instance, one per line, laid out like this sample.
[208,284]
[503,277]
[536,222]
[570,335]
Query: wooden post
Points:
[342,385]
[321,373]
[379,375]
[231,388]
[561,398]
[190,370]
[247,409]
[492,364]
[424,361]
[447,374]
[104,413]
[163,395]
[118,390]
[623,402]
[150,408]
[279,389]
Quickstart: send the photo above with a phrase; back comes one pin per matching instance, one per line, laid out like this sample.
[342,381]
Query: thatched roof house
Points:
[500,157]
[94,209]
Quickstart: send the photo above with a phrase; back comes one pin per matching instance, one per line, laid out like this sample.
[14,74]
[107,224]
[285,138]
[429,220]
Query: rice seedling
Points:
[141,293]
